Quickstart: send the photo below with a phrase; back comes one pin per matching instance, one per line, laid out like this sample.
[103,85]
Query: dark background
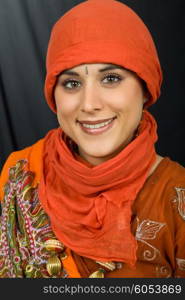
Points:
[25,27]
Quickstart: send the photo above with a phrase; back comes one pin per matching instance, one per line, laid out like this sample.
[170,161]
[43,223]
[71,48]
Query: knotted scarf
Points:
[90,206]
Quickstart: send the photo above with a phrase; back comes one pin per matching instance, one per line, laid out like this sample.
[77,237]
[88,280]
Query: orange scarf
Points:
[90,207]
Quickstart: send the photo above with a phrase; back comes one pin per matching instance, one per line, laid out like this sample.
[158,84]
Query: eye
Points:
[111,78]
[71,84]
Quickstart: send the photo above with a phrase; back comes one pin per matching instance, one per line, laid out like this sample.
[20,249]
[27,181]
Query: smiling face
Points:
[99,106]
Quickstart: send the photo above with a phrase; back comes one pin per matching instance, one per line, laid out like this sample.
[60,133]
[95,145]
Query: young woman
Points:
[93,198]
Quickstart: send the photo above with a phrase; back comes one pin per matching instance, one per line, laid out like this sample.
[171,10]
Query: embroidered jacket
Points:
[29,248]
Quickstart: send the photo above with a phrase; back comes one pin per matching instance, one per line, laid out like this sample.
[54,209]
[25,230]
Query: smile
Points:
[96,127]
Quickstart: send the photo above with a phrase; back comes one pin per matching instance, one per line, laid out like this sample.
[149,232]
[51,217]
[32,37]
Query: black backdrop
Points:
[24,33]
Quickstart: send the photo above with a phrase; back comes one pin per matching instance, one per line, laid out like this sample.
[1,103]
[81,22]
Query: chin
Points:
[100,155]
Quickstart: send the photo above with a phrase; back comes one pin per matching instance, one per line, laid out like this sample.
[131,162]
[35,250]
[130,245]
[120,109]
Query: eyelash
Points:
[116,77]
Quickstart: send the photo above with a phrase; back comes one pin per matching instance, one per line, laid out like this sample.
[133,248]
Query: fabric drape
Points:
[90,207]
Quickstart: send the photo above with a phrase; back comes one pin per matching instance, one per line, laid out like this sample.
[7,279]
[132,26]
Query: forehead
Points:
[99,67]
[96,65]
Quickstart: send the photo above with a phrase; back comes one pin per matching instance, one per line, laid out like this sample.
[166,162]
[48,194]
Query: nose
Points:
[91,99]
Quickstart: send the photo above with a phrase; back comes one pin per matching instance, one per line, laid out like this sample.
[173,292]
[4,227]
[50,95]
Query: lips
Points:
[96,127]
[95,122]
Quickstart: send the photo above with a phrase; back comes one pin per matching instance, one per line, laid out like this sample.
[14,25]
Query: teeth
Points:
[97,125]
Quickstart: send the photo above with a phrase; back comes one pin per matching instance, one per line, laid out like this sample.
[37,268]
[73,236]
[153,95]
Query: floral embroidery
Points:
[181,264]
[24,228]
[181,201]
[164,271]
[147,230]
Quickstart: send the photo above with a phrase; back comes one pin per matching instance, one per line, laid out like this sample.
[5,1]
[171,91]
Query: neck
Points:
[95,161]
[155,164]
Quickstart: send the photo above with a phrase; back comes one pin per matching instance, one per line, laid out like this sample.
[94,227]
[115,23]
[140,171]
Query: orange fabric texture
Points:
[158,225]
[102,31]
[70,265]
[157,221]
[90,208]
[31,154]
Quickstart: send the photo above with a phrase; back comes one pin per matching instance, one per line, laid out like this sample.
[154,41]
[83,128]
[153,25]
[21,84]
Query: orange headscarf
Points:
[90,206]
[104,31]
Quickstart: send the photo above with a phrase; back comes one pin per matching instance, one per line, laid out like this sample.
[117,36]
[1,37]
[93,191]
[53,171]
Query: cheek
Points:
[65,105]
[129,99]
[64,116]
[123,102]
[65,109]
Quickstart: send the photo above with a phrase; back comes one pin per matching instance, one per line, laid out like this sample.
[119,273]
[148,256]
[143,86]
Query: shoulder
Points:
[177,182]
[170,176]
[32,155]
[27,153]
[163,185]
[170,187]
[170,172]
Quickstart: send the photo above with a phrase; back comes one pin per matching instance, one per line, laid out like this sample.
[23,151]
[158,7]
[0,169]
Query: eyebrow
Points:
[107,68]
[68,72]
[111,67]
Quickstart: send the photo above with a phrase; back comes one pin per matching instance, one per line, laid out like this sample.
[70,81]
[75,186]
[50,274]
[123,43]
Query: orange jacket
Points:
[158,222]
[33,156]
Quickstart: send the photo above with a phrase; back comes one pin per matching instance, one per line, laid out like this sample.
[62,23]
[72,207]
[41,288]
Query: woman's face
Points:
[99,106]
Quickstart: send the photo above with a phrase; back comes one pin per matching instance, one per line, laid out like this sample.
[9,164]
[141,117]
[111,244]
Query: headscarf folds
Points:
[102,31]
